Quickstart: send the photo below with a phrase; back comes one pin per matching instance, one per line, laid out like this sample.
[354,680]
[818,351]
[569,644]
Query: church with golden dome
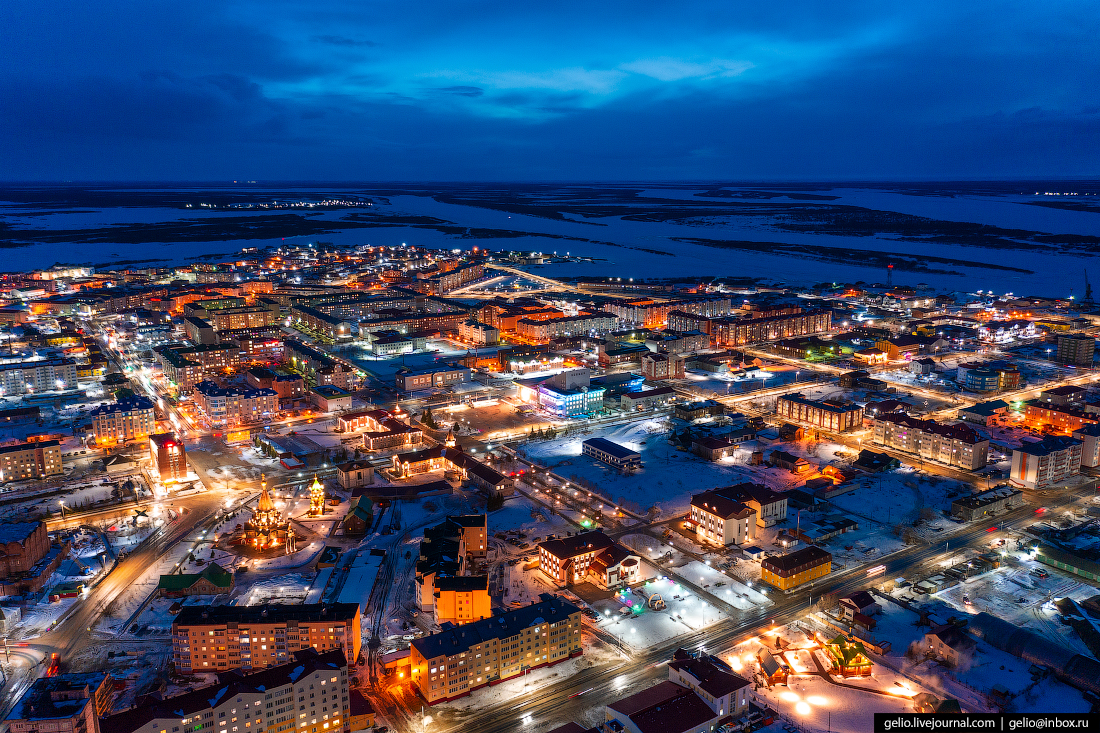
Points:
[267,531]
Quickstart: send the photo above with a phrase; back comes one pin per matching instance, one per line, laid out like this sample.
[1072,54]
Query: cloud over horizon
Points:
[487,90]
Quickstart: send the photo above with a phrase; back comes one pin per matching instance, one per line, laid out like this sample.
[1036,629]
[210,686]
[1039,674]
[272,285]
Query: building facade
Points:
[1052,460]
[826,415]
[227,406]
[721,521]
[795,568]
[1076,349]
[455,662]
[956,445]
[221,638]
[128,419]
[30,460]
[37,375]
[168,456]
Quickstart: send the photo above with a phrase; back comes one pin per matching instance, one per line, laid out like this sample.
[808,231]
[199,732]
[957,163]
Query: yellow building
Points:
[795,568]
[462,599]
[454,662]
[30,460]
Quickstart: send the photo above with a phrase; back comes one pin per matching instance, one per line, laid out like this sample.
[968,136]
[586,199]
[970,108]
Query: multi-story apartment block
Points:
[479,334]
[65,703]
[1039,414]
[232,319]
[444,583]
[740,331]
[723,692]
[1047,462]
[220,638]
[1077,349]
[224,406]
[441,283]
[37,376]
[720,520]
[127,419]
[651,314]
[662,366]
[542,331]
[795,568]
[827,415]
[956,445]
[1089,435]
[186,366]
[308,693]
[168,456]
[457,661]
[37,459]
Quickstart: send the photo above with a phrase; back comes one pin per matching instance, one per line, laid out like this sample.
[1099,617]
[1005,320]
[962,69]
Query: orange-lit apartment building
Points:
[37,459]
[127,419]
[1041,415]
[457,661]
[220,638]
[461,599]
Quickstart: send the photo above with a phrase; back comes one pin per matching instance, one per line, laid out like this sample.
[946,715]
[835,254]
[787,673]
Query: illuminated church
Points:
[267,529]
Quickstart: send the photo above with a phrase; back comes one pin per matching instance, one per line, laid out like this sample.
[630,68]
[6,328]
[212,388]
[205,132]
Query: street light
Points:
[62,503]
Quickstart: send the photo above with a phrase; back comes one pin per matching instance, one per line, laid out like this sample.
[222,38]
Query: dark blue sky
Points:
[456,90]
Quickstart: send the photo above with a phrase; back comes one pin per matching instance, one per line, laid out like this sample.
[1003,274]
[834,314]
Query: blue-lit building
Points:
[567,394]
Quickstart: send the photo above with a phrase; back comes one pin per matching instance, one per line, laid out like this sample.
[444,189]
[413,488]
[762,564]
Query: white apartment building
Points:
[231,406]
[37,375]
[955,445]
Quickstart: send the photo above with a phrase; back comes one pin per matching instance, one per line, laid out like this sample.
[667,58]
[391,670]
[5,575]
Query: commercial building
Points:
[795,568]
[64,703]
[381,429]
[409,380]
[390,342]
[36,376]
[235,319]
[127,419]
[453,458]
[566,394]
[991,377]
[985,503]
[329,398]
[168,457]
[226,406]
[308,693]
[30,460]
[1054,459]
[588,557]
[1075,349]
[697,410]
[723,692]
[658,366]
[221,638]
[459,660]
[612,454]
[984,413]
[354,474]
[664,708]
[722,521]
[648,399]
[827,415]
[956,445]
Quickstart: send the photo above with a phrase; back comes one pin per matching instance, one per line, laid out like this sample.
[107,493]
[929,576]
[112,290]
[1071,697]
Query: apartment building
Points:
[455,662]
[542,331]
[721,521]
[127,419]
[1040,415]
[795,568]
[1077,349]
[956,445]
[446,552]
[479,334]
[740,331]
[183,367]
[38,459]
[1047,462]
[220,638]
[770,506]
[652,314]
[64,703]
[232,319]
[828,415]
[1089,435]
[226,406]
[168,456]
[658,366]
[307,694]
[36,376]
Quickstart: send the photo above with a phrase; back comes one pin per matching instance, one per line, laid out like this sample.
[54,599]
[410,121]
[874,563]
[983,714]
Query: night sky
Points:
[431,90]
